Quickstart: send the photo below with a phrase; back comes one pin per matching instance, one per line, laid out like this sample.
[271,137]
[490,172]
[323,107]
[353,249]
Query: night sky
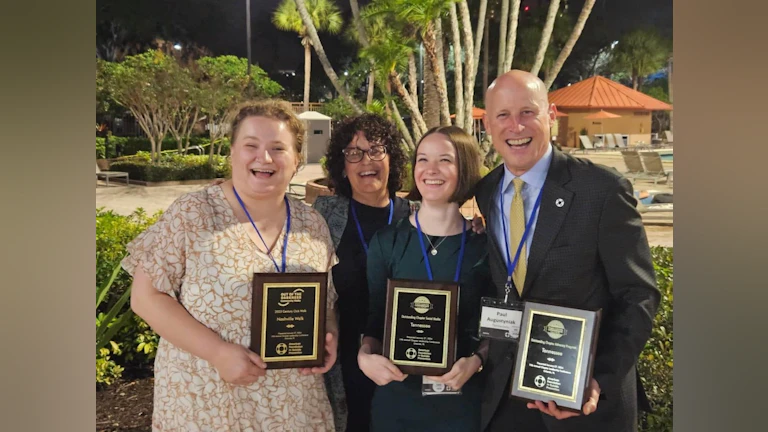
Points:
[220,26]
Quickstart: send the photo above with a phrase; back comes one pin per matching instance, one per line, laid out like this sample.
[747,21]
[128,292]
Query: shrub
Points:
[172,167]
[656,360]
[113,233]
[129,146]
[101,151]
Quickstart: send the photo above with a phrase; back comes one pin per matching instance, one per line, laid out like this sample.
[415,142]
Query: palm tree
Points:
[325,17]
[306,18]
[545,35]
[566,51]
[362,37]
[639,53]
[422,14]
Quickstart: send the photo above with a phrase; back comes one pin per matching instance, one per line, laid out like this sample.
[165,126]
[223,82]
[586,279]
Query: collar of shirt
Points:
[534,177]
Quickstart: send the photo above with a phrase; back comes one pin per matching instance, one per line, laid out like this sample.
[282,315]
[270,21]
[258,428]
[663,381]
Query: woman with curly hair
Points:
[366,166]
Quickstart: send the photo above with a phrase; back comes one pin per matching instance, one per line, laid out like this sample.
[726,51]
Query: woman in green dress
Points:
[428,246]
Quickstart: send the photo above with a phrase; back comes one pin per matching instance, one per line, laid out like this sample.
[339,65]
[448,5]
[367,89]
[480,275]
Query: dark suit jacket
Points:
[590,253]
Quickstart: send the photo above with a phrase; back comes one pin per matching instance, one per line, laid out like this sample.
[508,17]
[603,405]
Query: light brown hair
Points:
[275,109]
[467,162]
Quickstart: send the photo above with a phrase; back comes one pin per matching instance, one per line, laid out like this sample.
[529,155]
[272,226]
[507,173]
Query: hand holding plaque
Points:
[555,358]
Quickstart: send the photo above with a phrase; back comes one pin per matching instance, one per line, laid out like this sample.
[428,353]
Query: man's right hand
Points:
[238,365]
[379,368]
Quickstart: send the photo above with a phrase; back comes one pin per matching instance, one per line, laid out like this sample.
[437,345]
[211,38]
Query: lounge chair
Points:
[654,167]
[610,142]
[620,141]
[586,144]
[667,137]
[106,175]
[634,165]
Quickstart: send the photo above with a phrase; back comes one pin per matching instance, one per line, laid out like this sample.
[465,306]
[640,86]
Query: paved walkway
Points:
[125,199]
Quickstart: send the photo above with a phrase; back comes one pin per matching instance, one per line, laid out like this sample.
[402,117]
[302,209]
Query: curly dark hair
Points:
[375,128]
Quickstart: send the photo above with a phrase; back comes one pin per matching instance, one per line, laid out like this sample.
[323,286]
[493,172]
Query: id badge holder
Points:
[431,387]
[500,320]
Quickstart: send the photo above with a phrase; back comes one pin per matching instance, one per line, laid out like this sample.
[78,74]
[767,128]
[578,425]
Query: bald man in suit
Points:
[587,249]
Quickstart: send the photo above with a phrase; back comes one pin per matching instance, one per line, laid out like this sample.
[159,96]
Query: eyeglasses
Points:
[355,155]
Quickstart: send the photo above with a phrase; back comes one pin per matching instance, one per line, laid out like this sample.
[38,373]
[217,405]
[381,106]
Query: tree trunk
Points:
[481,33]
[669,83]
[419,126]
[401,125]
[307,71]
[365,43]
[635,79]
[566,51]
[514,17]
[371,83]
[318,46]
[546,34]
[470,68]
[442,89]
[413,78]
[459,76]
[502,37]
[359,23]
[486,48]
[430,104]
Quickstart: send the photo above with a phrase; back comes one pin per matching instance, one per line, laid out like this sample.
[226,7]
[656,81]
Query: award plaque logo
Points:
[410,353]
[555,329]
[281,348]
[540,381]
[287,298]
[421,304]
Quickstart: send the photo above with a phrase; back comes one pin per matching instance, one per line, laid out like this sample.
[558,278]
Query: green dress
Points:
[395,252]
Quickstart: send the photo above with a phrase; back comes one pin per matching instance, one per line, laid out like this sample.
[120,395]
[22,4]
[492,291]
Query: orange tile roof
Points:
[600,92]
[477,113]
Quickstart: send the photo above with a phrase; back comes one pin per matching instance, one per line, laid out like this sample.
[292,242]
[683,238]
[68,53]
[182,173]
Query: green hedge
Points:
[656,361]
[134,346]
[133,145]
[172,167]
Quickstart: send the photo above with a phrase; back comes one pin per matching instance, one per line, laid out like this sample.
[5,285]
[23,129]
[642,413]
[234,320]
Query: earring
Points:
[344,174]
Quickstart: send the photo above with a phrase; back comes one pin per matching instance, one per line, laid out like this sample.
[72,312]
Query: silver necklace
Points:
[434,247]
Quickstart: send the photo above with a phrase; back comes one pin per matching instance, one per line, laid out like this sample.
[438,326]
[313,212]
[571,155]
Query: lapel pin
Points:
[559,202]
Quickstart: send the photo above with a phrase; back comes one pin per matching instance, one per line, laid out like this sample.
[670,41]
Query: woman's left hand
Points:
[330,356]
[460,373]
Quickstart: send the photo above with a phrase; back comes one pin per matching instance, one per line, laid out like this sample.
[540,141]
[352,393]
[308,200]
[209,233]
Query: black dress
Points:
[395,252]
[349,278]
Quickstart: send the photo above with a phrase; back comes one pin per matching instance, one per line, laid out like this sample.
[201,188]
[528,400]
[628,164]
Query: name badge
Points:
[430,387]
[499,320]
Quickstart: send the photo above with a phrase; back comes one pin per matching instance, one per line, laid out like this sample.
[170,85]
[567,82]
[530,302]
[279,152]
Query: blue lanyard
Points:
[426,257]
[287,230]
[357,222]
[512,263]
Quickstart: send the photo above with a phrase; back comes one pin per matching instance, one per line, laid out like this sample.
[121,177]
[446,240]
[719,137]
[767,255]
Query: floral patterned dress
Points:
[201,255]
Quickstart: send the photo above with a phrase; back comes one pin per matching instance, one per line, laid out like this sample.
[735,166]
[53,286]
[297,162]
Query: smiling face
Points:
[366,177]
[518,117]
[264,157]
[436,171]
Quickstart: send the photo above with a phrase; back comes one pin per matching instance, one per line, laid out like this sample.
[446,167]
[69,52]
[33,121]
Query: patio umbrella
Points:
[600,115]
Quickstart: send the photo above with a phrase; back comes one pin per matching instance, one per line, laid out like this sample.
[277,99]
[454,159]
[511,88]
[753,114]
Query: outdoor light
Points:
[177,47]
[346,73]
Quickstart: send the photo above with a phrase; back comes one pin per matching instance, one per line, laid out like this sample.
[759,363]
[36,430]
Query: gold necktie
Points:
[516,230]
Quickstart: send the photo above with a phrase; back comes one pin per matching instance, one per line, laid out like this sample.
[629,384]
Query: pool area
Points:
[666,154]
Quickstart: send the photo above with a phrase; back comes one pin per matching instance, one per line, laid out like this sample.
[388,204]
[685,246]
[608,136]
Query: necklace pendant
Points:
[434,252]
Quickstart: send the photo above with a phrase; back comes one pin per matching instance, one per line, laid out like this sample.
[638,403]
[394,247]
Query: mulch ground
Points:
[126,405]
